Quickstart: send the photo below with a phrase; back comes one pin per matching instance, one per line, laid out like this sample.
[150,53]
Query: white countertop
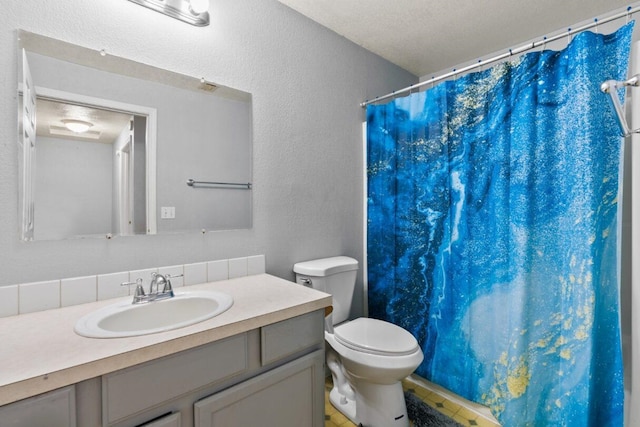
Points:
[40,351]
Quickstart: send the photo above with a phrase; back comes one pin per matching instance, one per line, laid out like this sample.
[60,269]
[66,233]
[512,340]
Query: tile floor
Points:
[462,415]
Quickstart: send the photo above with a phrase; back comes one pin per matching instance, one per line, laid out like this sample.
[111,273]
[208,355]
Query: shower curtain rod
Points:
[630,11]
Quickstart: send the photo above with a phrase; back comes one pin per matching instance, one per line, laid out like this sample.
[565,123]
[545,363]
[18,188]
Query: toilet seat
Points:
[375,336]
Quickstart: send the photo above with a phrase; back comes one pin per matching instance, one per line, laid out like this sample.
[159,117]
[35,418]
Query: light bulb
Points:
[199,6]
[77,126]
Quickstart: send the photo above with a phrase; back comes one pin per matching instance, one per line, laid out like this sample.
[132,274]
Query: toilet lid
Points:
[376,337]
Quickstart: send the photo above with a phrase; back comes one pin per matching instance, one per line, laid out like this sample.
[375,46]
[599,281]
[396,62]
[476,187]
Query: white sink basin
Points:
[125,319]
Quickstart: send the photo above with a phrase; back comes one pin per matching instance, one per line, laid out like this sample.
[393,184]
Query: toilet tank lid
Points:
[326,266]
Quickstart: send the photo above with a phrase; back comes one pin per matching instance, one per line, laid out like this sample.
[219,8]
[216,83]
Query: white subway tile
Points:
[256,265]
[9,300]
[78,290]
[109,285]
[175,270]
[38,296]
[195,274]
[217,270]
[237,267]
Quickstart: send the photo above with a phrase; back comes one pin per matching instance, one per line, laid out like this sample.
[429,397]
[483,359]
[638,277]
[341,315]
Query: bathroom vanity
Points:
[259,363]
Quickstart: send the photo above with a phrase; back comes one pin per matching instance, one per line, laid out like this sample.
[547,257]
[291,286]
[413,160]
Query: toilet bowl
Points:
[367,357]
[374,356]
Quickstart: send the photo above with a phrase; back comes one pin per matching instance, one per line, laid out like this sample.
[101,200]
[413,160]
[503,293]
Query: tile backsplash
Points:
[37,296]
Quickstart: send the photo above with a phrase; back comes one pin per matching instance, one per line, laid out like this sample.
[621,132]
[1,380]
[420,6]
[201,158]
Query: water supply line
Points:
[611,87]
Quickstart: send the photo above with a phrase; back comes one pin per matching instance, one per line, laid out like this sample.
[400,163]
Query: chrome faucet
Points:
[155,294]
[156,281]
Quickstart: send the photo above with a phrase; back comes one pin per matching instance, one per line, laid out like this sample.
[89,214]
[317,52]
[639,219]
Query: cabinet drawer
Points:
[285,338]
[55,408]
[141,387]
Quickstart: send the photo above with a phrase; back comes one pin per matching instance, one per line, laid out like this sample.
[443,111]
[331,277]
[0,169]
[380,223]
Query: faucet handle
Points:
[168,288]
[137,282]
[139,292]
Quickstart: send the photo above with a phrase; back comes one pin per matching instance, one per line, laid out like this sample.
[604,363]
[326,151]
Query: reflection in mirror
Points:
[94,196]
[107,145]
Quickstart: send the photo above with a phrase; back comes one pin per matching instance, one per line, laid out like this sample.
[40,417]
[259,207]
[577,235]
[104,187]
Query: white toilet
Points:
[367,357]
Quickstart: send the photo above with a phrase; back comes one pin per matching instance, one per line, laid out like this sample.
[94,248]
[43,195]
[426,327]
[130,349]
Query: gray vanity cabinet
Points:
[131,391]
[269,376]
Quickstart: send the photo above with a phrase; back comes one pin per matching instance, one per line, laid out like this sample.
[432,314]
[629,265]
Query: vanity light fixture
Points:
[199,6]
[77,126]
[194,12]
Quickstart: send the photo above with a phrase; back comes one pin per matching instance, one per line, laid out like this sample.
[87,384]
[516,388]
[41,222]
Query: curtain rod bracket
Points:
[611,87]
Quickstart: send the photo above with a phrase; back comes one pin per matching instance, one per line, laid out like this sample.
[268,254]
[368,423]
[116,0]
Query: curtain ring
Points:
[596,21]
[568,35]
[628,13]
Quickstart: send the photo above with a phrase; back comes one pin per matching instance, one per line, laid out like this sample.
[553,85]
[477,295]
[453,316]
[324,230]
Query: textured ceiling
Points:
[428,36]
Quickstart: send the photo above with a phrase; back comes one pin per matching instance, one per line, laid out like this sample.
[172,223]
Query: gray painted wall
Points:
[73,198]
[306,83]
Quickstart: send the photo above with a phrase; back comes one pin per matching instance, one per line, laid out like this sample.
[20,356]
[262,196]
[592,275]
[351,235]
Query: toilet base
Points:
[346,406]
[376,405]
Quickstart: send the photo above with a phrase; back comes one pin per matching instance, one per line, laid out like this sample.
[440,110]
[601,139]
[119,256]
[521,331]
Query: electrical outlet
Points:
[167,212]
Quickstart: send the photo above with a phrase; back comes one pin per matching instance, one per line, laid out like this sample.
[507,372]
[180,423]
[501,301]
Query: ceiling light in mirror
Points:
[77,126]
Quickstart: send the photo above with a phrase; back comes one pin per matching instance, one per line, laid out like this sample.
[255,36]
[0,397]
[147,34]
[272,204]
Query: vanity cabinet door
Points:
[55,408]
[289,396]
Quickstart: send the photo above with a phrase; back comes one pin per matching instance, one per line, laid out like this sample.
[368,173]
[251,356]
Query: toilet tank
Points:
[335,276]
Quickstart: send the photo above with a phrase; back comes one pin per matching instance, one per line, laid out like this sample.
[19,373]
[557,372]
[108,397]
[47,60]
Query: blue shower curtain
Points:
[492,232]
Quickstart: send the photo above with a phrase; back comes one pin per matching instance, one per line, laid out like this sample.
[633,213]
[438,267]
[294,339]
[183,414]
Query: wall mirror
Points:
[111,147]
